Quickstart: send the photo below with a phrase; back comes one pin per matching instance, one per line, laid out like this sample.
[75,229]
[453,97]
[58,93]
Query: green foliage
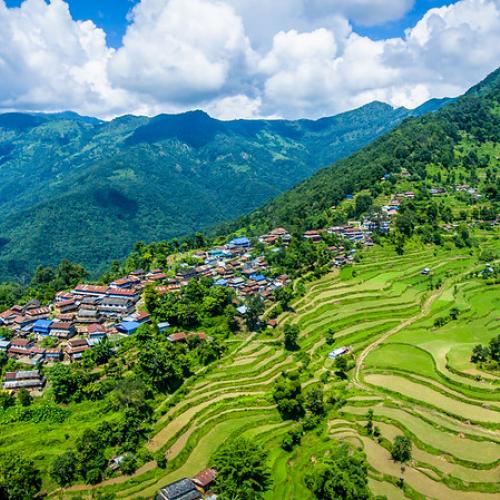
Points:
[401,449]
[114,176]
[241,470]
[414,145]
[315,402]
[64,469]
[487,356]
[24,397]
[343,475]
[287,395]
[163,366]
[19,478]
[291,336]
[128,464]
[193,305]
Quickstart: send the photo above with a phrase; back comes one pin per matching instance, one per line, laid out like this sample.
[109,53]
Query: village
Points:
[80,318]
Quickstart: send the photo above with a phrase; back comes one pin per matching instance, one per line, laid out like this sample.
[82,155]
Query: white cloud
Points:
[48,61]
[181,50]
[242,58]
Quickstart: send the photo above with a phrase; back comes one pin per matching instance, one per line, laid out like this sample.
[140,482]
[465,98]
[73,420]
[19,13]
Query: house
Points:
[115,462]
[338,352]
[53,355]
[186,274]
[8,316]
[242,310]
[90,290]
[115,306]
[62,330]
[128,327]
[31,379]
[4,345]
[76,348]
[242,242]
[20,347]
[96,331]
[141,317]
[313,236]
[88,316]
[272,323]
[425,271]
[183,489]
[66,306]
[118,293]
[63,296]
[205,479]
[37,355]
[41,327]
[177,337]
[165,325]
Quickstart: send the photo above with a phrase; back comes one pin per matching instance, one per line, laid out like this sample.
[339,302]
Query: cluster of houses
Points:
[77,320]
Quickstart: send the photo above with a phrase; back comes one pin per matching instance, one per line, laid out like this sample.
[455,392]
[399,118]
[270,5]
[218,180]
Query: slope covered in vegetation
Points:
[78,188]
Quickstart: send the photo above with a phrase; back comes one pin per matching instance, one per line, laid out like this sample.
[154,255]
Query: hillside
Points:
[459,137]
[79,188]
[364,344]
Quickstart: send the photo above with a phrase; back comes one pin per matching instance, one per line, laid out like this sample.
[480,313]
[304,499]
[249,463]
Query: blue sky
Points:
[111,15]
[241,58]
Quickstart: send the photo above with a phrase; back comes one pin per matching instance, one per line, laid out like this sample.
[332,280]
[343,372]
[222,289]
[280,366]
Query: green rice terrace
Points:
[406,364]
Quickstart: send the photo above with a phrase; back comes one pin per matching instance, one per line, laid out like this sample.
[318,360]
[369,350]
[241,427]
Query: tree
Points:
[401,449]
[128,464]
[314,401]
[479,354]
[288,396]
[63,382]
[24,397]
[369,422]
[19,478]
[291,335]
[64,468]
[242,471]
[343,475]
[284,295]
[330,336]
[341,366]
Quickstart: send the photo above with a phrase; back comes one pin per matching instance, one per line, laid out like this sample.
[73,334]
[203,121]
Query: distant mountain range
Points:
[80,188]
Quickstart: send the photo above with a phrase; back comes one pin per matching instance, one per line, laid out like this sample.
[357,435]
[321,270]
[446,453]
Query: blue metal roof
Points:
[42,323]
[240,241]
[128,326]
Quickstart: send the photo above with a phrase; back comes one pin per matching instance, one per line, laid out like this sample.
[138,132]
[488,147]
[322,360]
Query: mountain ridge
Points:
[71,187]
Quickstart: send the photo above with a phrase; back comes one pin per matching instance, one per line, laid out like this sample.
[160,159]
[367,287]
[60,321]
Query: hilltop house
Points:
[115,306]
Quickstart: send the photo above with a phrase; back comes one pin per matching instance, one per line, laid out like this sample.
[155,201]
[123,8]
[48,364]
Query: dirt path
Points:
[404,324]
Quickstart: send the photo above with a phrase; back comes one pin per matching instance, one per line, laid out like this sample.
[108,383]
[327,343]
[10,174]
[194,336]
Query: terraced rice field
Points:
[416,378]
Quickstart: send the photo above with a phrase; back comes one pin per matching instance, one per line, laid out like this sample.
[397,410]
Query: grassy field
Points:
[417,378]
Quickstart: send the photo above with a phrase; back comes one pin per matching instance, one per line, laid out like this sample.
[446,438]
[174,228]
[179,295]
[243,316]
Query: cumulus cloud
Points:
[242,58]
[181,50]
[48,61]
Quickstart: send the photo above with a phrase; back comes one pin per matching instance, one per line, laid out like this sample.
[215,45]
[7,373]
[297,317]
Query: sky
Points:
[241,58]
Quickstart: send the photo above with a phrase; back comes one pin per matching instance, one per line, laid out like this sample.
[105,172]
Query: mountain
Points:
[80,188]
[456,139]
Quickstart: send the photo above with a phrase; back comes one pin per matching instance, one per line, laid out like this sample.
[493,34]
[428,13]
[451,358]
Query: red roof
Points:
[91,289]
[96,328]
[205,477]
[119,291]
[60,326]
[21,342]
[8,313]
[177,337]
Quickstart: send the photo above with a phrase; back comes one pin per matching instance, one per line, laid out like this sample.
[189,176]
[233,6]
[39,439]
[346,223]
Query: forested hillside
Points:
[459,138]
[79,188]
